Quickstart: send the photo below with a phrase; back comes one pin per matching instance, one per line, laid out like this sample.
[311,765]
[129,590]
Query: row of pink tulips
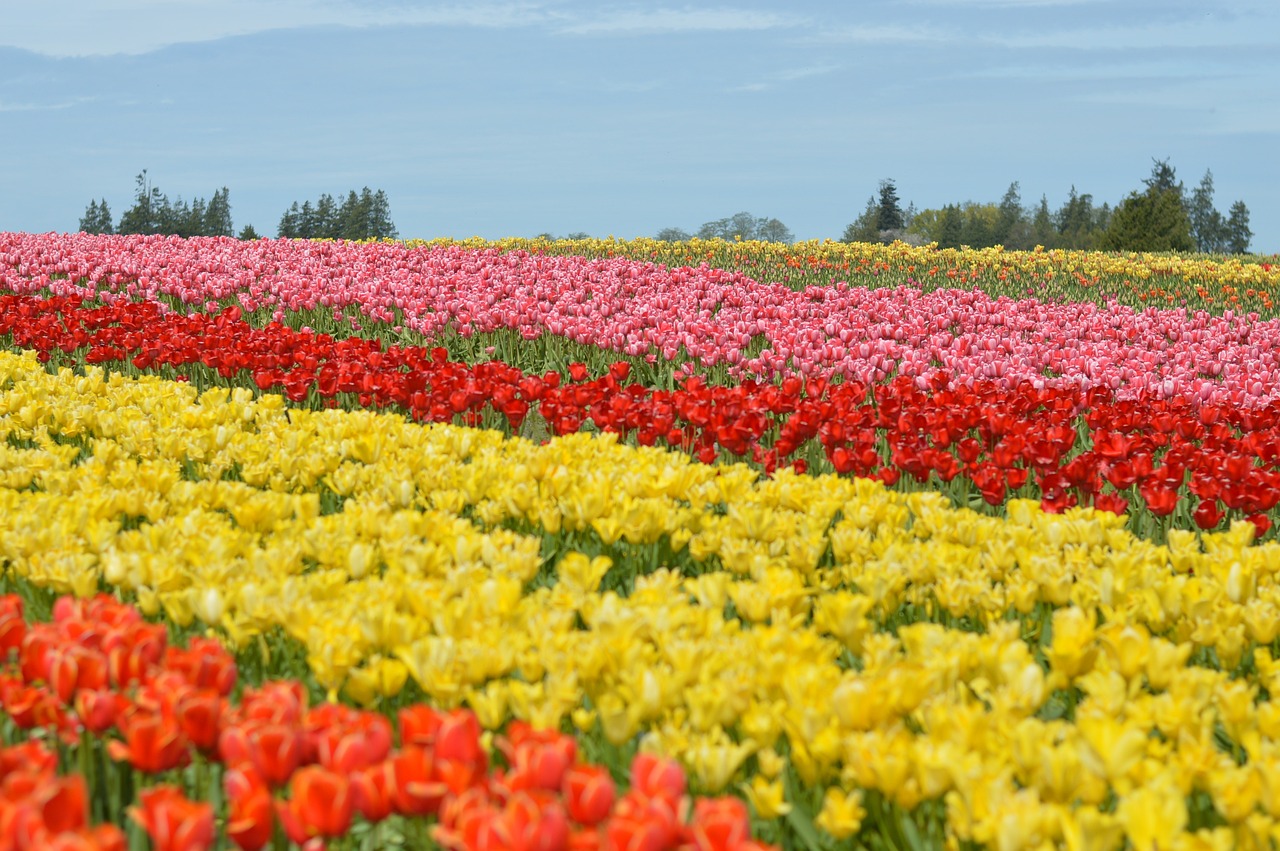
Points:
[710,316]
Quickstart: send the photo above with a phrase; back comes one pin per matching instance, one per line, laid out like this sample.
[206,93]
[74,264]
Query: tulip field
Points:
[631,545]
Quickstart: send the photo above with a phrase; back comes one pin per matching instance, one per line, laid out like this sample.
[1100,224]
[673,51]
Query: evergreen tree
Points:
[1154,220]
[97,218]
[363,215]
[216,218]
[1164,178]
[351,216]
[951,231]
[247,232]
[1010,230]
[149,206]
[380,224]
[1237,228]
[326,218]
[1042,225]
[1208,226]
[978,229]
[889,212]
[290,226]
[866,228]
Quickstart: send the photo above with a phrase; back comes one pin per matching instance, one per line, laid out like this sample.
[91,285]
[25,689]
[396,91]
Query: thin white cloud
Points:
[810,71]
[1172,36]
[885,34]
[789,75]
[6,106]
[79,28]
[660,21]
[1002,4]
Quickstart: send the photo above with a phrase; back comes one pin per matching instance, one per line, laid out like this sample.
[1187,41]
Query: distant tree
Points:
[1208,228]
[362,215]
[979,228]
[951,227]
[1042,229]
[1075,220]
[290,226]
[578,235]
[97,218]
[153,212]
[889,212]
[772,230]
[247,232]
[738,226]
[673,235]
[745,226]
[1154,220]
[327,225]
[1238,233]
[148,210]
[866,228]
[1164,178]
[1012,230]
[379,224]
[217,215]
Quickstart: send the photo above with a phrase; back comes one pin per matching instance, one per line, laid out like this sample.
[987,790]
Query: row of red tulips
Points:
[99,673]
[1072,446]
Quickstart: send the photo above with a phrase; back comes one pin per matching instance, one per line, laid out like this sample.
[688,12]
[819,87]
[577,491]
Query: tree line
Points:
[1162,216]
[360,215]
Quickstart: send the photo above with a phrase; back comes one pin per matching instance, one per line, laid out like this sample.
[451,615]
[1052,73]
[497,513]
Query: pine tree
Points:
[97,218]
[1237,229]
[1042,225]
[380,224]
[889,214]
[216,220]
[1154,220]
[290,226]
[866,228]
[145,214]
[1208,228]
[952,228]
[1010,215]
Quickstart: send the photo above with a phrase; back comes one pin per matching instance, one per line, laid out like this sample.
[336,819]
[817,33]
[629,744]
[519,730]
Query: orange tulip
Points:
[417,788]
[371,791]
[173,822]
[589,793]
[153,743]
[250,814]
[320,804]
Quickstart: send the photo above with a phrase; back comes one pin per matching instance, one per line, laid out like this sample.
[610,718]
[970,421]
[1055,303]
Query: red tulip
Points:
[173,822]
[250,810]
[589,793]
[153,743]
[320,804]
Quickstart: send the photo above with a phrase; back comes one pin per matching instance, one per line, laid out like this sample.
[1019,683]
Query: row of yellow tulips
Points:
[1044,677]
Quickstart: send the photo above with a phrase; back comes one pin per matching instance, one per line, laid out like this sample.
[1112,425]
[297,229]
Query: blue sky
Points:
[515,118]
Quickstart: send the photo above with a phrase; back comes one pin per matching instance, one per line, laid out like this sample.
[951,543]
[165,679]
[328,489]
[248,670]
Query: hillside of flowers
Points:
[537,545]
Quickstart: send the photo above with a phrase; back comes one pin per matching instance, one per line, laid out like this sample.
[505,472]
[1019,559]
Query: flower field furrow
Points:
[133,709]
[833,649]
[1065,447]
[704,317]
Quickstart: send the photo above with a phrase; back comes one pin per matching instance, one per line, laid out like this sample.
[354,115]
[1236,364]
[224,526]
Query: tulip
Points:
[589,794]
[250,810]
[320,804]
[153,743]
[173,822]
